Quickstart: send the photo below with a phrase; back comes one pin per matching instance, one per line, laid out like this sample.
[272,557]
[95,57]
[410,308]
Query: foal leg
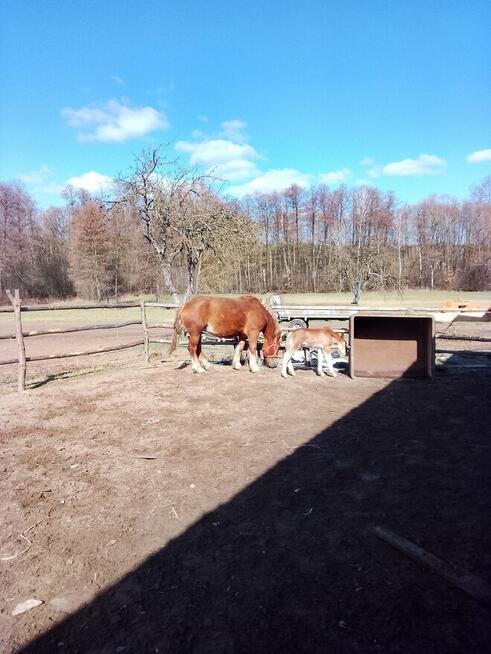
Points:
[287,366]
[236,364]
[320,361]
[330,366]
[285,363]
[194,349]
[290,369]
[253,367]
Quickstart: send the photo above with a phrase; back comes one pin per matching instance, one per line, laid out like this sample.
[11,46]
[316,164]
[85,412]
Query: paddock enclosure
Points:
[69,331]
[149,509]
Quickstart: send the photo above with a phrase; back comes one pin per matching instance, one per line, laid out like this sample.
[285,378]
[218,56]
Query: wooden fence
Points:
[17,309]
[20,335]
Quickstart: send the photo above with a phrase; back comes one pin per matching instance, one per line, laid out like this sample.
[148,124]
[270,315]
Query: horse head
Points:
[272,337]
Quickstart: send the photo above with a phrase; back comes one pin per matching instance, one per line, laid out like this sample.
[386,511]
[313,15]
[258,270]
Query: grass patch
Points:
[410,298]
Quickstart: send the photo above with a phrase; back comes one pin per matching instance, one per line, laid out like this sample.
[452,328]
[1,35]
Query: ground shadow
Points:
[58,376]
[290,564]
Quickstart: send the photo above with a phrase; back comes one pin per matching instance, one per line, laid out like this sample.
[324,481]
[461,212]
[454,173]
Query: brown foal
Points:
[323,339]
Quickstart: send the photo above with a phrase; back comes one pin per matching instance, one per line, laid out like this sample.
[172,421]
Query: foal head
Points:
[341,343]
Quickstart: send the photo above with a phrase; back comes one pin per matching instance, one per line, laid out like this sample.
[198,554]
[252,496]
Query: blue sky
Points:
[391,94]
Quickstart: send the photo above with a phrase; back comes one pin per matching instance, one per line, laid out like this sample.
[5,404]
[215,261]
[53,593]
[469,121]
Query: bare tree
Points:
[52,254]
[182,216]
[19,236]
[193,239]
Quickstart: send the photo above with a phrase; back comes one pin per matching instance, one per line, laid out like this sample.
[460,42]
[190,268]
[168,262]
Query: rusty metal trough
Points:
[391,346]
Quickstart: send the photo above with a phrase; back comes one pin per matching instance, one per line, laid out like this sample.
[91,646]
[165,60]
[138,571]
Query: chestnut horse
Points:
[244,317]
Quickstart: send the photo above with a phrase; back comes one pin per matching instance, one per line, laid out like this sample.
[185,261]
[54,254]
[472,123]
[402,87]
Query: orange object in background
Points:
[461,304]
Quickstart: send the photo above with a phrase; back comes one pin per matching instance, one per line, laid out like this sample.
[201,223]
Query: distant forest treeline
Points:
[315,240]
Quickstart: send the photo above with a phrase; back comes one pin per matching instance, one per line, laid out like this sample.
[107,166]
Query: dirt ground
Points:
[229,512]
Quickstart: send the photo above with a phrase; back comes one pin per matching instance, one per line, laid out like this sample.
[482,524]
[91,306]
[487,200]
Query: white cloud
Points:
[234,130]
[376,171]
[228,157]
[114,121]
[336,176]
[215,151]
[425,164]
[367,161]
[119,80]
[92,182]
[479,156]
[42,181]
[225,159]
[272,180]
[36,177]
[236,170]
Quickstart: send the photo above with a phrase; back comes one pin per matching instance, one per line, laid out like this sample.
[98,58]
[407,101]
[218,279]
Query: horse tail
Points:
[178,329]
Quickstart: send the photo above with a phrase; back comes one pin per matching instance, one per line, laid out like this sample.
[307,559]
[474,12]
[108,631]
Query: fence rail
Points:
[64,307]
[68,330]
[99,350]
[17,309]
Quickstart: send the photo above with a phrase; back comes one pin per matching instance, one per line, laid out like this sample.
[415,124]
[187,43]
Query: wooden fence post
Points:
[146,349]
[16,303]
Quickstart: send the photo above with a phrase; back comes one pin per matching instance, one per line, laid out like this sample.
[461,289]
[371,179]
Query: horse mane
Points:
[270,315]
[264,306]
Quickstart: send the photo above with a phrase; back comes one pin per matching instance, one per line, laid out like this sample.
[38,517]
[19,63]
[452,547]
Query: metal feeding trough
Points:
[391,346]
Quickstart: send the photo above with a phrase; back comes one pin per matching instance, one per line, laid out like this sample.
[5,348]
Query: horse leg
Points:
[236,364]
[194,349]
[201,357]
[205,364]
[253,367]
[330,365]
[204,361]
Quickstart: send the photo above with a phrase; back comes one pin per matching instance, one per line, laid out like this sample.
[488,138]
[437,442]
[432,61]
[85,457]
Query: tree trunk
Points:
[193,263]
[169,282]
